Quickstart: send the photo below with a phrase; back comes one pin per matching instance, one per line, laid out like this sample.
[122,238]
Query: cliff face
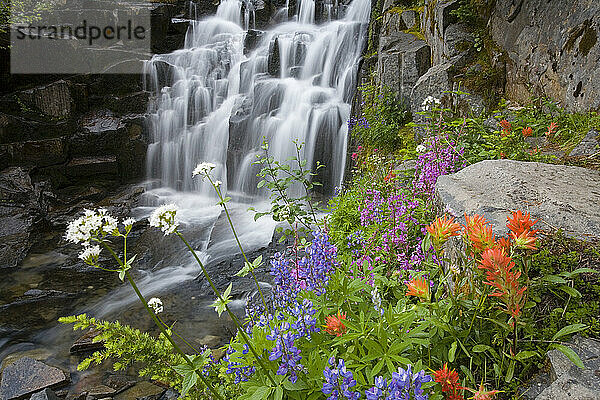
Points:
[512,48]
[551,47]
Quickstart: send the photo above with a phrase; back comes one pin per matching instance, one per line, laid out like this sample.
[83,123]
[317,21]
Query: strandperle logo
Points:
[90,33]
[72,36]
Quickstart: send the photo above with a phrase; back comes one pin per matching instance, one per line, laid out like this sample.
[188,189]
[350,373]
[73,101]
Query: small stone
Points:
[588,146]
[100,392]
[142,390]
[27,376]
[45,394]
[87,343]
[210,341]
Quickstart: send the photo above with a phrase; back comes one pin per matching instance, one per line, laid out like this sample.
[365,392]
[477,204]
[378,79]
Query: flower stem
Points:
[237,239]
[160,325]
[231,314]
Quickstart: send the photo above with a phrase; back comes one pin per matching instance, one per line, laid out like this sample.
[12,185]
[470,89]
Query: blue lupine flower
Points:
[338,381]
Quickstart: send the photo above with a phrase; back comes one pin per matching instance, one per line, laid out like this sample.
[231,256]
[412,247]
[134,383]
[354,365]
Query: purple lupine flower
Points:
[339,381]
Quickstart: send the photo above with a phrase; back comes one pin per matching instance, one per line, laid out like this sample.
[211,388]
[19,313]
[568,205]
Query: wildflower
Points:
[418,287]
[479,233]
[286,350]
[526,240]
[430,103]
[503,244]
[520,222]
[500,275]
[376,299]
[164,218]
[483,394]
[551,128]
[421,149]
[338,381]
[443,229]
[334,324]
[506,126]
[502,155]
[389,177]
[92,225]
[400,386]
[527,131]
[128,223]
[218,183]
[203,169]
[156,305]
[448,378]
[354,156]
[90,255]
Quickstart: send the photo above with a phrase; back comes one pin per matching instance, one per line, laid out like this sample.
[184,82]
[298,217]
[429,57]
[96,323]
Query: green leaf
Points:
[569,330]
[571,355]
[510,372]
[279,393]
[554,279]
[452,351]
[189,380]
[570,291]
[261,393]
[524,355]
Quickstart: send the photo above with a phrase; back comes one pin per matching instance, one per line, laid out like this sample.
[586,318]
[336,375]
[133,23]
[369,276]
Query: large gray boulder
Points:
[559,196]
[570,381]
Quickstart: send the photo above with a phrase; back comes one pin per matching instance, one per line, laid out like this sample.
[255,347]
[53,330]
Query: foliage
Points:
[381,124]
[282,179]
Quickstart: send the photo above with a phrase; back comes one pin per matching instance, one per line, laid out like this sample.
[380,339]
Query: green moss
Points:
[588,40]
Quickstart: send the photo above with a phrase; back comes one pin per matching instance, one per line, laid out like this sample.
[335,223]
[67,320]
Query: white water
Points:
[214,103]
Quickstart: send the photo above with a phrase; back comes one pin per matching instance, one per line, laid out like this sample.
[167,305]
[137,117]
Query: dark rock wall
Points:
[552,49]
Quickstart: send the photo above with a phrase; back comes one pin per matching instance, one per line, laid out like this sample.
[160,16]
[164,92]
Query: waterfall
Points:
[217,98]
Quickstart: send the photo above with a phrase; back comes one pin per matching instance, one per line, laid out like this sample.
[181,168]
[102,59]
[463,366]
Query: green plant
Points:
[382,122]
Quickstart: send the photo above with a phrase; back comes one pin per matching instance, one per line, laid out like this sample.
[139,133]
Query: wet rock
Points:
[210,341]
[252,40]
[53,100]
[590,145]
[21,208]
[27,376]
[559,196]
[119,383]
[571,382]
[435,19]
[273,60]
[142,390]
[45,394]
[93,166]
[35,153]
[86,343]
[100,392]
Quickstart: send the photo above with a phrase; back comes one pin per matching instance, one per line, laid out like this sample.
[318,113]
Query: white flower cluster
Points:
[164,218]
[421,149]
[91,224]
[128,223]
[218,183]
[430,103]
[203,169]
[156,304]
[90,255]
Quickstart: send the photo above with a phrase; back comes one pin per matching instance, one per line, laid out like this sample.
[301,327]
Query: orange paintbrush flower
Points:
[500,275]
[443,229]
[334,324]
[479,233]
[448,378]
[506,126]
[503,244]
[418,287]
[526,240]
[527,131]
[519,222]
[483,394]
[551,128]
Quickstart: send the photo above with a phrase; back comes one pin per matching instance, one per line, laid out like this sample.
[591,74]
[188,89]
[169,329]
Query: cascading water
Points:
[216,101]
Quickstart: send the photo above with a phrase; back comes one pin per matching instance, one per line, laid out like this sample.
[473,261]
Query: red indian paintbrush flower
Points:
[448,378]
[551,128]
[506,126]
[479,233]
[527,131]
[334,324]
[526,240]
[483,394]
[519,222]
[500,275]
[418,287]
[443,229]
[503,244]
